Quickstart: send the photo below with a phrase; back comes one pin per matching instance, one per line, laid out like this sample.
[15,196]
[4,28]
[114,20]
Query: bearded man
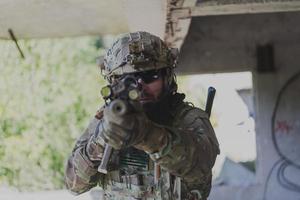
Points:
[165,148]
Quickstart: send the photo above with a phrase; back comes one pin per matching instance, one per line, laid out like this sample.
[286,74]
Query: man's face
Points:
[151,84]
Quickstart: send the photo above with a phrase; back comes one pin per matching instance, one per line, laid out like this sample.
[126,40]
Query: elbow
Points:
[75,187]
[73,183]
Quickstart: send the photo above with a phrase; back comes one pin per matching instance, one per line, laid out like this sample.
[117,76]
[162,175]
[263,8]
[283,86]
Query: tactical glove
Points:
[121,131]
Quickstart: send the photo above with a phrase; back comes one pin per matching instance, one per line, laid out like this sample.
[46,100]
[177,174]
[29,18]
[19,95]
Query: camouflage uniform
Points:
[187,151]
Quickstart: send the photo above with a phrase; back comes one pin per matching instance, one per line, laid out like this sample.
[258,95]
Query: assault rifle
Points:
[117,97]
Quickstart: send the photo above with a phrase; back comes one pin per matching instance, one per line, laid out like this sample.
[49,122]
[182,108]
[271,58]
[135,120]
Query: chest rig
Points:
[136,176]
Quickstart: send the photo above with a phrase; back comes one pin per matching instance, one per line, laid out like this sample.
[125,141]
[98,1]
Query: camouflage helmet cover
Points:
[138,51]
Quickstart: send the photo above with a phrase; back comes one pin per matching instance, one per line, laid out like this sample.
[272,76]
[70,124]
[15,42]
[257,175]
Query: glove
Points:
[128,129]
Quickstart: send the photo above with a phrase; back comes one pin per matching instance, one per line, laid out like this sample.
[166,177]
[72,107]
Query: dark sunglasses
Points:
[148,76]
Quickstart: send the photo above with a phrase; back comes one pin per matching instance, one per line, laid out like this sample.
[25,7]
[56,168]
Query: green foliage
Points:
[99,43]
[46,102]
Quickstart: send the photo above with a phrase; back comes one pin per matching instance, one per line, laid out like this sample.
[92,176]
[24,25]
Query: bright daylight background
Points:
[47,99]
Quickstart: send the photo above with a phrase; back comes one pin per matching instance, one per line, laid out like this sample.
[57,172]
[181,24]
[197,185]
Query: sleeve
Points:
[81,171]
[190,151]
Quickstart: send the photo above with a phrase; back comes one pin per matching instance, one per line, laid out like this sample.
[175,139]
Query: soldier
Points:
[165,150]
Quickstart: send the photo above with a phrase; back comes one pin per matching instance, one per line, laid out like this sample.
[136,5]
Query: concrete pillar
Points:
[278,125]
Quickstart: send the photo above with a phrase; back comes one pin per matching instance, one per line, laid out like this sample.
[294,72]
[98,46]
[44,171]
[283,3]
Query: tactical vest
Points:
[133,175]
[135,179]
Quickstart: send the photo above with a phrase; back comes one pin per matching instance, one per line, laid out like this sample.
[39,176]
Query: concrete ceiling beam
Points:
[231,9]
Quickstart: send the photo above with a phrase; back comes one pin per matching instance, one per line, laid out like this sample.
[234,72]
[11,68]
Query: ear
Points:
[171,84]
[174,55]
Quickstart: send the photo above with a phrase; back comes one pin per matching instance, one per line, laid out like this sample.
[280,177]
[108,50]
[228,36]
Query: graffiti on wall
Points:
[284,126]
[284,175]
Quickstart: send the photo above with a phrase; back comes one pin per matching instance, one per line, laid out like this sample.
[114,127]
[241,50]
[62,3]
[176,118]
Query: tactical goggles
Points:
[149,76]
[146,76]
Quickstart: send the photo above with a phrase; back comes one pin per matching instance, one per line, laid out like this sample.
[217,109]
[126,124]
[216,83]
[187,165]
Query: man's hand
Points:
[120,131]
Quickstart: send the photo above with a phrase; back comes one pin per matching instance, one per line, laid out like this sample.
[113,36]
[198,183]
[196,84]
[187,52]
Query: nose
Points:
[142,84]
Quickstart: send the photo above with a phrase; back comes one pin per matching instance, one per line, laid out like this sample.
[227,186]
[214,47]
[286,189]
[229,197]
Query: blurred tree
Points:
[45,104]
[99,43]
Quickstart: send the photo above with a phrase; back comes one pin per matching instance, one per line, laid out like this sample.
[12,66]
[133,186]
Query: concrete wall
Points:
[278,125]
[278,133]
[229,43]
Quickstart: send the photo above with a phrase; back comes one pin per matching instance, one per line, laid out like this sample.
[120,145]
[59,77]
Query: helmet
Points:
[136,52]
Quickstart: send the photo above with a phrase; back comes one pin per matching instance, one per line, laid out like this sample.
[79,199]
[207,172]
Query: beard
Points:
[158,111]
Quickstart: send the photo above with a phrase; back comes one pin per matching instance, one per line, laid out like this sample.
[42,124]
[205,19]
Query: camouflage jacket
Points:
[185,161]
